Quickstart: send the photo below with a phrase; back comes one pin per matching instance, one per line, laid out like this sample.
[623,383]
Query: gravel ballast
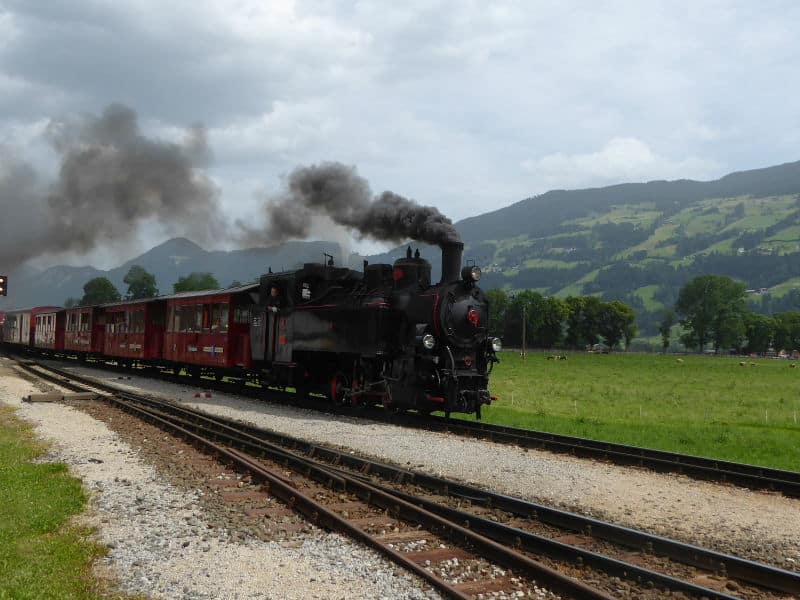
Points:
[758,525]
[160,544]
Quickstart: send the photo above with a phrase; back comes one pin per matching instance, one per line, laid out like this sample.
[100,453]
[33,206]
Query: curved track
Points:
[439,497]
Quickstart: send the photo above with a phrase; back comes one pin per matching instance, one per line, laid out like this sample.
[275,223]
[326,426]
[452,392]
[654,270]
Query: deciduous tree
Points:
[711,307]
[665,327]
[141,284]
[195,282]
[758,331]
[787,331]
[99,291]
[498,303]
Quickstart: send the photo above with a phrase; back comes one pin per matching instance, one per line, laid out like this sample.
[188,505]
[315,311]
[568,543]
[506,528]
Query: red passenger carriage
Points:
[48,328]
[84,330]
[134,330]
[210,328]
[17,327]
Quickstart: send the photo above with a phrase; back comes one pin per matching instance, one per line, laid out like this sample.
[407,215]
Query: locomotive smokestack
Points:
[451,261]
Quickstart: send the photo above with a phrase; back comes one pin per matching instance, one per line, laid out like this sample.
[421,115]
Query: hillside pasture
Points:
[647,295]
[784,288]
[576,289]
[708,406]
[723,247]
[642,215]
[549,263]
[789,234]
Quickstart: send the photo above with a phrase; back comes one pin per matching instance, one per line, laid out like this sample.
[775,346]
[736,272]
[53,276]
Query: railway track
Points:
[697,467]
[649,565]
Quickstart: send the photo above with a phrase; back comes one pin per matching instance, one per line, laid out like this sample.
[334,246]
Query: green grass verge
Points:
[706,406]
[41,555]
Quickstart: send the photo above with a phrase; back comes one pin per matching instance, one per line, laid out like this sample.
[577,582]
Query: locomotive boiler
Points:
[386,335]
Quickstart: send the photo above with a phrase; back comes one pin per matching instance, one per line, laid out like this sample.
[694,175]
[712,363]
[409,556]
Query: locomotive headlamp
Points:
[428,341]
[472,274]
[497,345]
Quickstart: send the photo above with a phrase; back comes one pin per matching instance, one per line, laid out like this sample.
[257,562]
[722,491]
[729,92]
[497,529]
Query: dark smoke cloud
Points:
[339,193]
[111,180]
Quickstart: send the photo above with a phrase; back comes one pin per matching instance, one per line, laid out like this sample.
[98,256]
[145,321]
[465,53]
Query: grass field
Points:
[706,406]
[41,556]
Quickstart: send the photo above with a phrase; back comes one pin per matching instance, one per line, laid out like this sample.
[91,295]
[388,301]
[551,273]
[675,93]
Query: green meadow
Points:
[41,554]
[707,406]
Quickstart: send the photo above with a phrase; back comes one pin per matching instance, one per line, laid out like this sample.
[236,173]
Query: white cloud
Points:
[621,160]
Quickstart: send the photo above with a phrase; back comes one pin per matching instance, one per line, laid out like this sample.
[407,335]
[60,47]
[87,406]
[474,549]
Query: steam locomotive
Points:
[382,336]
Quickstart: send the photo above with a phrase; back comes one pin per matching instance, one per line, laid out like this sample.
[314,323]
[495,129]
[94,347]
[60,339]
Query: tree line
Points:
[551,322]
[141,284]
[711,309]
[713,312]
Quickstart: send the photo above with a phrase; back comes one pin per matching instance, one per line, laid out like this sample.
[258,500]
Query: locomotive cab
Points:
[411,271]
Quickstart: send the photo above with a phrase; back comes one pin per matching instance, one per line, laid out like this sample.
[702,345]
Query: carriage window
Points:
[213,312]
[206,322]
[136,321]
[185,318]
[189,317]
[241,314]
[223,317]
[115,322]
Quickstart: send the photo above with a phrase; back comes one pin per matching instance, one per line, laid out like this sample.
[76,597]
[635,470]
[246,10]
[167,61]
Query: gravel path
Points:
[160,544]
[748,523]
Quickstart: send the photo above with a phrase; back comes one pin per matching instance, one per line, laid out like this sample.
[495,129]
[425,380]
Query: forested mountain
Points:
[640,242]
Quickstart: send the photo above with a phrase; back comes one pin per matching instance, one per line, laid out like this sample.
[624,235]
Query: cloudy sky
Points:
[468,106]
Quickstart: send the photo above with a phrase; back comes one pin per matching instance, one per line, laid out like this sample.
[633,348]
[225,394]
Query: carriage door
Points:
[258,331]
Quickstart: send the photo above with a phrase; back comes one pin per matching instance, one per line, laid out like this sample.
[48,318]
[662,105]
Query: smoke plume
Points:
[111,180]
[337,192]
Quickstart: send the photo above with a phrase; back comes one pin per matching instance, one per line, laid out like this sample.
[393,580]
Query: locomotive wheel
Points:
[339,387]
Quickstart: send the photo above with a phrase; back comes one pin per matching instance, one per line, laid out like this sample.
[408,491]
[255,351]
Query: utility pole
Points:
[524,319]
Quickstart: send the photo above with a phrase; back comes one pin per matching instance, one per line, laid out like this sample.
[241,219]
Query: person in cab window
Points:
[274,303]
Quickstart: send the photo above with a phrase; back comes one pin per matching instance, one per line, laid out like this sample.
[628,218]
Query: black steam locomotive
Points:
[385,336]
